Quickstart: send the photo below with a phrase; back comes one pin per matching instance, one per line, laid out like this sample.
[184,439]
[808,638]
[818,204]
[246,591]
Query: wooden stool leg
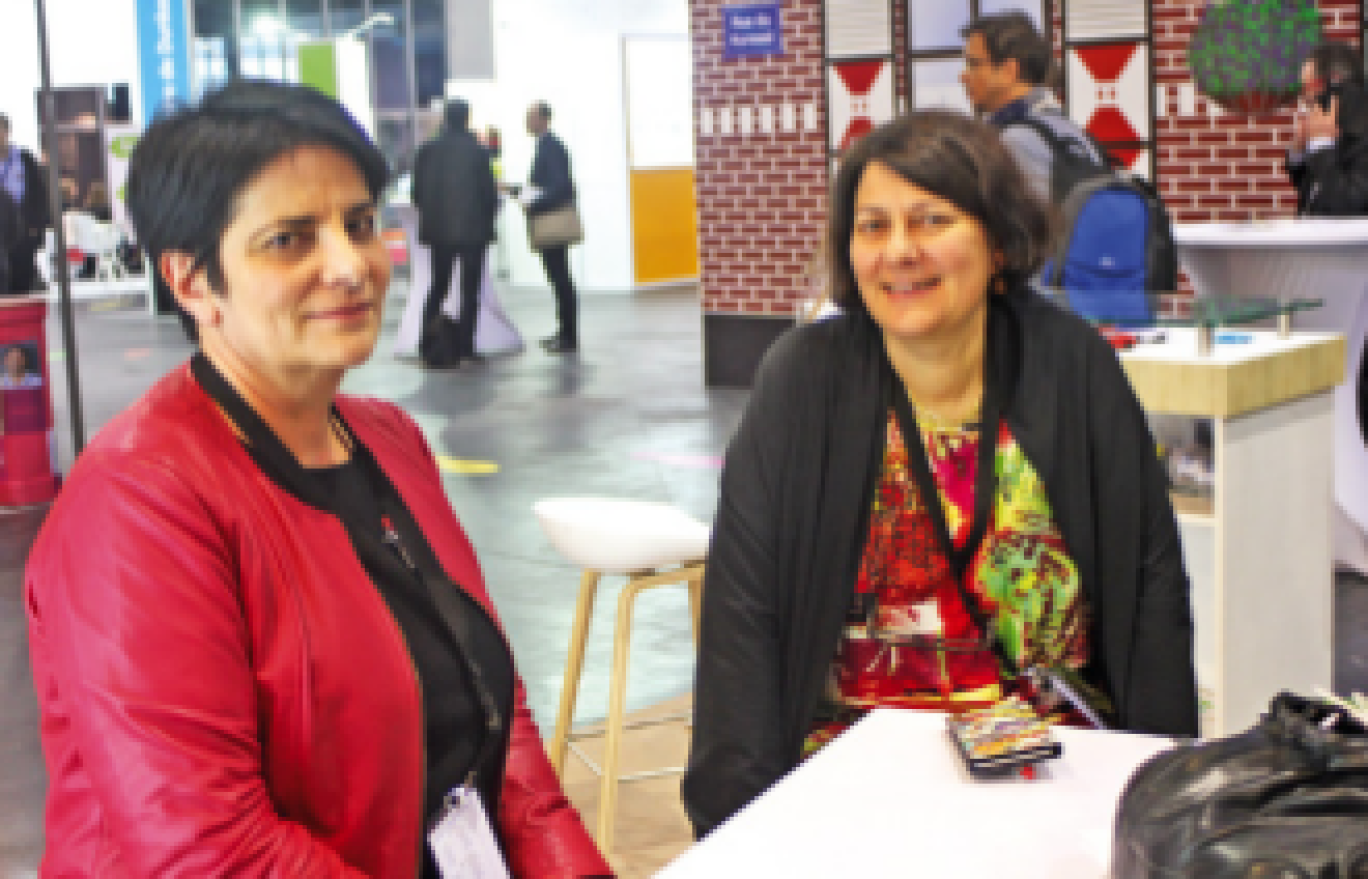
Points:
[617,708]
[574,664]
[695,584]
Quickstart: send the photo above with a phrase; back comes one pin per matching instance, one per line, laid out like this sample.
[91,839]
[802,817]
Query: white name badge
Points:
[463,841]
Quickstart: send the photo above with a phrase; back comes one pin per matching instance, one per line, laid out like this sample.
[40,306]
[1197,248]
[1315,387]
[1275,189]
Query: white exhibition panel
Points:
[89,43]
[570,54]
[890,797]
[659,75]
[1304,258]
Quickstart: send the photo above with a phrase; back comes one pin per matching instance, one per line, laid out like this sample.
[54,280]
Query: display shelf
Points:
[1193,507]
[1259,371]
[1257,547]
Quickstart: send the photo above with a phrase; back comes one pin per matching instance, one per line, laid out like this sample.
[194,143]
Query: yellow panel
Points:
[664,225]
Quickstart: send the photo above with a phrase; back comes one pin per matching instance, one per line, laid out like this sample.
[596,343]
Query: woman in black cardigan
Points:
[831,588]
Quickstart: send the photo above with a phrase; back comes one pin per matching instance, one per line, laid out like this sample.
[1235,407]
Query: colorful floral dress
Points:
[909,641]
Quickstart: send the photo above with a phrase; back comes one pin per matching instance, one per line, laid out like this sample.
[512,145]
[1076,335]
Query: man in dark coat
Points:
[11,229]
[454,191]
[22,178]
[1328,159]
[552,181]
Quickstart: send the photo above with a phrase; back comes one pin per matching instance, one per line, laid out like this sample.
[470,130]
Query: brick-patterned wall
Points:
[761,197]
[1214,166]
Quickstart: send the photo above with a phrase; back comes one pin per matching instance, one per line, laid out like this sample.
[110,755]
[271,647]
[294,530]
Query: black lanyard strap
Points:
[372,548]
[985,489]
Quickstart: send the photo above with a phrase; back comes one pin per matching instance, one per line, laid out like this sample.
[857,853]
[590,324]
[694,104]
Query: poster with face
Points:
[23,402]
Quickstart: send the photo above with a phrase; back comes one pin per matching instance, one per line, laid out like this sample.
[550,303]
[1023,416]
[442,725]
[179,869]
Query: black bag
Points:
[1287,799]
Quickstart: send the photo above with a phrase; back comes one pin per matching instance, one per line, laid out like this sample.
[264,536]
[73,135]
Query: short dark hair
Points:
[1337,62]
[953,157]
[4,121]
[1013,35]
[192,164]
[543,109]
[457,114]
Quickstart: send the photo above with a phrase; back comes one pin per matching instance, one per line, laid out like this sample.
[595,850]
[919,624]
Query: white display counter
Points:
[1258,551]
[1303,258]
[890,797]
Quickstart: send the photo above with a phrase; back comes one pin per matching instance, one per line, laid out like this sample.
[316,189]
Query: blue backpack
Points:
[1115,241]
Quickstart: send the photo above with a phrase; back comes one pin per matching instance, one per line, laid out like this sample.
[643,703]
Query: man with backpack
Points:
[1007,65]
[1114,243]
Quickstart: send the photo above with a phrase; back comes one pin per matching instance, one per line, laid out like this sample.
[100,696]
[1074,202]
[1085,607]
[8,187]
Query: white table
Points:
[1309,258]
[494,330]
[891,798]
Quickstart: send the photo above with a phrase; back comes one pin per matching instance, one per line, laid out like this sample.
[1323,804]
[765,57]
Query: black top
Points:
[453,724]
[793,512]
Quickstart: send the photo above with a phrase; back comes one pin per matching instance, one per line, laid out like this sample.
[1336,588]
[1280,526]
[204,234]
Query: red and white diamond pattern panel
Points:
[1109,89]
[1134,159]
[860,97]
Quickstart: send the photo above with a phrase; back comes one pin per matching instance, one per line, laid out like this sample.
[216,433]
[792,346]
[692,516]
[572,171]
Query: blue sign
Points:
[752,30]
[163,55]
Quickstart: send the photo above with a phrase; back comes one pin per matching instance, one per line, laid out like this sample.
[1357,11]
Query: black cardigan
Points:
[793,512]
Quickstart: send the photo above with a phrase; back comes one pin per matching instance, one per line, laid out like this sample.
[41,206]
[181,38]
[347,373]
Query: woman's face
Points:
[922,265]
[14,363]
[305,273]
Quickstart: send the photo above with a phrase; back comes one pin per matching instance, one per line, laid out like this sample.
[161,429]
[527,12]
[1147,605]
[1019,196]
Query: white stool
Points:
[652,545]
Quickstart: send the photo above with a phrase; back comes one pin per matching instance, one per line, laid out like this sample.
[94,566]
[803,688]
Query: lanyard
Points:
[985,487]
[375,550]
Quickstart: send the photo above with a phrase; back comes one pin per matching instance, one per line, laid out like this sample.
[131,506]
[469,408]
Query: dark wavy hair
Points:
[955,158]
[190,166]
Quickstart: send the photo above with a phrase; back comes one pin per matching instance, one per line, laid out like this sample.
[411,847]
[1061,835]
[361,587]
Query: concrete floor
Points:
[629,418]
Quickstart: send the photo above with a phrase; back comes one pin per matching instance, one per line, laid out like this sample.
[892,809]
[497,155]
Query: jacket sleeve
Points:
[142,661]
[738,746]
[551,174]
[1132,491]
[36,209]
[1033,157]
[423,187]
[543,835]
[1335,182]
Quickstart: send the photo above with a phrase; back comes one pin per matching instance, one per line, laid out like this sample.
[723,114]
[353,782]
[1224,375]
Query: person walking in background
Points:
[552,188]
[22,177]
[454,191]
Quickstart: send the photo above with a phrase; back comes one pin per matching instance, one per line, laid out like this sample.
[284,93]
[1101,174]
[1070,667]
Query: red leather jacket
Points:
[223,690]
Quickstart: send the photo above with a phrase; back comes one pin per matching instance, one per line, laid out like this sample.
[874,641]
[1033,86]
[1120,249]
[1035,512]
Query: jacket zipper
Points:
[391,539]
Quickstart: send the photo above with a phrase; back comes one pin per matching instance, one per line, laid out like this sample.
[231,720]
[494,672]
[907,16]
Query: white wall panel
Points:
[937,24]
[859,27]
[1102,19]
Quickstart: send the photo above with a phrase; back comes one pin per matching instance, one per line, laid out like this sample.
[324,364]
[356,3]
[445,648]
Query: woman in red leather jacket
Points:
[260,637]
